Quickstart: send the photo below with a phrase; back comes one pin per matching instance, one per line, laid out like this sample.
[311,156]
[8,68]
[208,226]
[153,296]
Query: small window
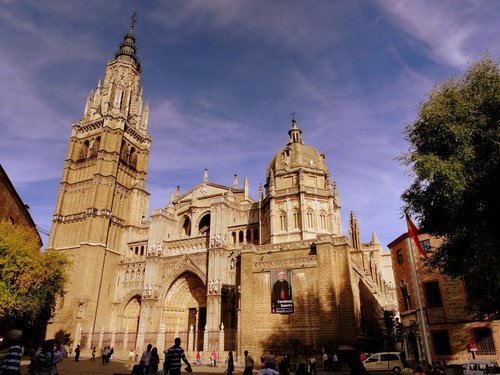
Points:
[426,245]
[432,294]
[399,256]
[406,297]
[441,342]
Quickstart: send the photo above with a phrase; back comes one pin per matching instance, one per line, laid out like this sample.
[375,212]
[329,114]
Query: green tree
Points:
[455,161]
[30,280]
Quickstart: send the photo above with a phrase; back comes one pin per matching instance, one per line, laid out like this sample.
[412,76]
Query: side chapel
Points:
[202,267]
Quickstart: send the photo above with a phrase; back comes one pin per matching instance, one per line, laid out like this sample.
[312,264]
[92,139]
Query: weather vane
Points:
[133,19]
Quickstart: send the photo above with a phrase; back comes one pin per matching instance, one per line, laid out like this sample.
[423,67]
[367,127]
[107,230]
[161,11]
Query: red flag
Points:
[413,233]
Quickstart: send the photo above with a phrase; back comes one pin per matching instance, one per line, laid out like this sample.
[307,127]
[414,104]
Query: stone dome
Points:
[296,155]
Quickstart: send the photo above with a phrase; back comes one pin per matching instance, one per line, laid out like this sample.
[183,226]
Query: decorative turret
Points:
[205,175]
[235,181]
[245,188]
[354,234]
[295,133]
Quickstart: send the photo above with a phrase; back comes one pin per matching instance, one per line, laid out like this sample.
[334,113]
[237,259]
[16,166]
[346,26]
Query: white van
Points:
[480,367]
[384,362]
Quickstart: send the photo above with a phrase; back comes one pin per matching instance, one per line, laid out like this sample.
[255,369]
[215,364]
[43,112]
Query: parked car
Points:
[384,362]
[480,367]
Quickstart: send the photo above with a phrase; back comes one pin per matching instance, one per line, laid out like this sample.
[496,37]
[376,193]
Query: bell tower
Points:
[102,199]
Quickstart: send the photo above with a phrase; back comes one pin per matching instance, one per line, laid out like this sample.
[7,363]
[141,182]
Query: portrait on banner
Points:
[281,291]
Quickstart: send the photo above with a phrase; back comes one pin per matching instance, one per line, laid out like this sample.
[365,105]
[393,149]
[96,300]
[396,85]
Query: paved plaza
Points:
[117,366]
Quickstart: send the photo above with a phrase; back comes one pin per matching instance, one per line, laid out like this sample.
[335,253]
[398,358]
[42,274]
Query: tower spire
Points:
[127,50]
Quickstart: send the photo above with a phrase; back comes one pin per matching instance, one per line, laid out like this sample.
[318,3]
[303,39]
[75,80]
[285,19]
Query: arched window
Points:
[186,227]
[310,221]
[133,158]
[126,275]
[295,219]
[204,225]
[83,150]
[249,235]
[142,250]
[136,251]
[233,236]
[322,220]
[132,275]
[256,235]
[282,220]
[241,235]
[138,274]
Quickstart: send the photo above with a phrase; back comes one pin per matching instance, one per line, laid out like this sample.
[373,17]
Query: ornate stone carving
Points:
[218,240]
[299,262]
[155,249]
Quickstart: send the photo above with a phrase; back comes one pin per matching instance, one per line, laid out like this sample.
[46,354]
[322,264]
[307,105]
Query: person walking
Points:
[47,357]
[146,358]
[154,361]
[92,357]
[131,357]
[12,360]
[77,353]
[230,364]
[249,362]
[213,359]
[173,358]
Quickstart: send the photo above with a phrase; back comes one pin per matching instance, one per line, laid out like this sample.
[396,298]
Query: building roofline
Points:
[17,197]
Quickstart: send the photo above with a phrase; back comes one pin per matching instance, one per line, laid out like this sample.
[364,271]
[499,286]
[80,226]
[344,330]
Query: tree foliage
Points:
[455,159]
[30,280]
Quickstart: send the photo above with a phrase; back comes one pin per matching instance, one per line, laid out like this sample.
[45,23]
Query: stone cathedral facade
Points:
[203,267]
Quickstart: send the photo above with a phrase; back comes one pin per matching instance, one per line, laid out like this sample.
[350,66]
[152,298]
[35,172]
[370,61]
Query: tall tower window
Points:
[310,221]
[186,227]
[296,219]
[322,219]
[282,220]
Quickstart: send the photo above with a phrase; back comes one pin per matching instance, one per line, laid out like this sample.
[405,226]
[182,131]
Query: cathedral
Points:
[215,267]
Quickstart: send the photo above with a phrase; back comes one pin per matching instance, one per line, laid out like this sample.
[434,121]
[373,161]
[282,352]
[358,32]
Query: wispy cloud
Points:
[453,32]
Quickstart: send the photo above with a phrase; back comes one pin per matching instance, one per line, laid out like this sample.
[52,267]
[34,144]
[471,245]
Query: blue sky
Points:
[222,77]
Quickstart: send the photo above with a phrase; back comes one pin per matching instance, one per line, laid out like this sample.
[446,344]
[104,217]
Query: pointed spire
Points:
[205,175]
[245,187]
[235,181]
[375,240]
[171,201]
[354,231]
[88,104]
[336,193]
[261,192]
[127,50]
[294,132]
[178,192]
[145,117]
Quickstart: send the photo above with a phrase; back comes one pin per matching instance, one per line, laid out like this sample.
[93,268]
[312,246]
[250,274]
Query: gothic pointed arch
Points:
[131,313]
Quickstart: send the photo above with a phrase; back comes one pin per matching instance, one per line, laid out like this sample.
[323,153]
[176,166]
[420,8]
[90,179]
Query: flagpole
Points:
[423,324]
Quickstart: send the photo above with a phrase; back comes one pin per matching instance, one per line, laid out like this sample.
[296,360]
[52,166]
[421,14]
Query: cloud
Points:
[453,32]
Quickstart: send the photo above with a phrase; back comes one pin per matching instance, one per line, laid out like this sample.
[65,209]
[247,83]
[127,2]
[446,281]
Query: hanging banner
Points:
[281,291]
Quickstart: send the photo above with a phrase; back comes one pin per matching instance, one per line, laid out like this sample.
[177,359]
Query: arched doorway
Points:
[185,306]
[130,320]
